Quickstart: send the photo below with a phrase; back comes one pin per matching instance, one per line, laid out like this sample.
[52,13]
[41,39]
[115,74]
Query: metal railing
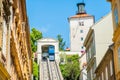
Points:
[50,70]
[44,73]
[59,71]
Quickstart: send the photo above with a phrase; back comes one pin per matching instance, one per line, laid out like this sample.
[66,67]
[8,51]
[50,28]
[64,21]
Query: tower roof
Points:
[81,15]
[80,4]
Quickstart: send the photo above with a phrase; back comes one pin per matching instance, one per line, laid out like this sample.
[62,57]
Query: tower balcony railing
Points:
[82,12]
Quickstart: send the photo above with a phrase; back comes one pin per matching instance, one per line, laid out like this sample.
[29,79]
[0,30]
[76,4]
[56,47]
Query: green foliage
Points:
[62,57]
[35,35]
[71,70]
[61,42]
[35,69]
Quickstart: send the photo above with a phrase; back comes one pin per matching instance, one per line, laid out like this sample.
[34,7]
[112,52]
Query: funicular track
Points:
[50,70]
[44,70]
[54,71]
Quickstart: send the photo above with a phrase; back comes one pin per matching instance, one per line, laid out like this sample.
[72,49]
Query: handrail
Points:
[59,72]
[51,66]
[40,69]
[49,69]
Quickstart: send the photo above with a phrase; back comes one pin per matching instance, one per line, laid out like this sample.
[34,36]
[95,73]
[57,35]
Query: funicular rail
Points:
[50,70]
[44,70]
[54,73]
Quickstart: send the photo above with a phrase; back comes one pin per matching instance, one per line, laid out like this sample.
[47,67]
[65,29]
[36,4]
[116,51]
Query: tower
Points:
[79,26]
[81,8]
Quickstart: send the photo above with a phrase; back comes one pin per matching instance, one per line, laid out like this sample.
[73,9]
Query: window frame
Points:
[81,23]
[82,38]
[81,31]
[115,13]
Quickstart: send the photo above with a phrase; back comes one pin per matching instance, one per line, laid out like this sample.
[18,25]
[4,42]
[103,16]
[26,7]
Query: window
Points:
[81,38]
[81,31]
[82,47]
[111,68]
[92,48]
[106,71]
[81,23]
[102,76]
[89,53]
[89,75]
[116,15]
[88,56]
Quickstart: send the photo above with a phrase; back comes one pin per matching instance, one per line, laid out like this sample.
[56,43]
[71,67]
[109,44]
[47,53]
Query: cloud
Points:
[44,29]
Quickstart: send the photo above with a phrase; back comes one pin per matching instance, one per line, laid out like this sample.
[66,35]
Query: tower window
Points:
[81,31]
[82,47]
[81,23]
[81,38]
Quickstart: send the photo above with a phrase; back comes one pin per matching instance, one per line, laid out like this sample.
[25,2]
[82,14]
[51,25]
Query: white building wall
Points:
[76,43]
[103,36]
[47,41]
[75,35]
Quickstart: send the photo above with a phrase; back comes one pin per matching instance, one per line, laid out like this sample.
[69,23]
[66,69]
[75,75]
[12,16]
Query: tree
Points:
[61,42]
[71,70]
[35,35]
[35,70]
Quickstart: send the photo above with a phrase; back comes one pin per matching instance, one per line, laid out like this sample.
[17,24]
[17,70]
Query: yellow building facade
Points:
[15,47]
[4,40]
[20,41]
[115,6]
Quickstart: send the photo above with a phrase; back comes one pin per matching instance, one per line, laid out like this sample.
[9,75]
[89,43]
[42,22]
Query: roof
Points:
[67,49]
[81,15]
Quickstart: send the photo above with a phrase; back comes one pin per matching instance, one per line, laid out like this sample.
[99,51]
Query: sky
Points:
[51,16]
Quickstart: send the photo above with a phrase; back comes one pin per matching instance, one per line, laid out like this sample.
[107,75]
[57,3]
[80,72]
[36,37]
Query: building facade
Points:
[96,44]
[15,48]
[115,4]
[106,70]
[4,38]
[79,26]
[20,42]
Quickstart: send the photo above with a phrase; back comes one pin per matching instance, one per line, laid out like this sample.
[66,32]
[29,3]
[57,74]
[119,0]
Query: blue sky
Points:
[50,16]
